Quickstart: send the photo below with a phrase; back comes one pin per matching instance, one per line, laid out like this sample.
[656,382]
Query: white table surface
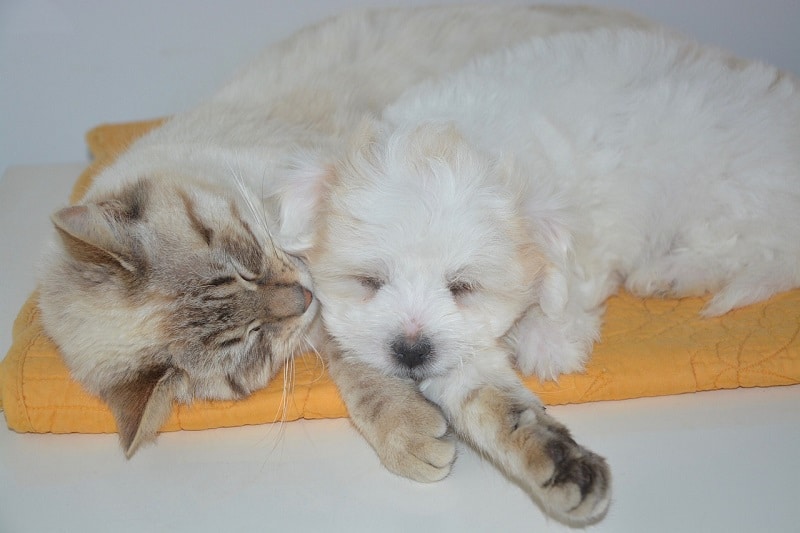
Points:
[724,461]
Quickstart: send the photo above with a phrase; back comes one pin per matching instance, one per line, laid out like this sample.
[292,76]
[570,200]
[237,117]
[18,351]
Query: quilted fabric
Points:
[648,348]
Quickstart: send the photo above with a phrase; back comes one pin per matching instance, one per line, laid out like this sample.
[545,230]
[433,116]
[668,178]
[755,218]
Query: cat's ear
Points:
[143,403]
[93,234]
[300,200]
[308,181]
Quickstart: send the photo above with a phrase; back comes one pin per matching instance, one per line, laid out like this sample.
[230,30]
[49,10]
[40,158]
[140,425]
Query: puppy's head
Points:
[423,257]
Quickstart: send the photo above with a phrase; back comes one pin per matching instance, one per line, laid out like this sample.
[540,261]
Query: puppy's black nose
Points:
[411,352]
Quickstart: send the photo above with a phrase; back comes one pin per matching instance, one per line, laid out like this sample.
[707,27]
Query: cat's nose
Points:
[412,351]
[283,301]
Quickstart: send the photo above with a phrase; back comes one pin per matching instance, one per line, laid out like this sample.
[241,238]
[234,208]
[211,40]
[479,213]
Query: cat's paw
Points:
[415,441]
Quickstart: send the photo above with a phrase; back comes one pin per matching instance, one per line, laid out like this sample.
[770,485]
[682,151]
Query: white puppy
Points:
[485,219]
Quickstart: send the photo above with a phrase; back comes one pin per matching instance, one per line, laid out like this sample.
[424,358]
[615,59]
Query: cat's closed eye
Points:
[249,278]
[246,275]
[253,329]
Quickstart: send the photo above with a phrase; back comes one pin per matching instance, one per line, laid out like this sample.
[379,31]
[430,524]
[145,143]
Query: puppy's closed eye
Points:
[461,287]
[371,283]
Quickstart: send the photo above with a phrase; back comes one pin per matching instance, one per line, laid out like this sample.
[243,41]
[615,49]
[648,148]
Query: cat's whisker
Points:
[317,355]
[258,214]
[264,220]
[289,381]
[287,376]
[280,414]
[277,424]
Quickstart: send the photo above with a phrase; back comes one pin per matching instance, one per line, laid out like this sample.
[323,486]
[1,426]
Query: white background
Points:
[724,461]
[67,65]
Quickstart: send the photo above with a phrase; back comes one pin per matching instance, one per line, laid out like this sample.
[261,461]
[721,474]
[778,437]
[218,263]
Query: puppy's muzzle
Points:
[412,352]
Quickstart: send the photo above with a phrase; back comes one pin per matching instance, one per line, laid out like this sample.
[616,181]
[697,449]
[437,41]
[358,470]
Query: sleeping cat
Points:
[179,275]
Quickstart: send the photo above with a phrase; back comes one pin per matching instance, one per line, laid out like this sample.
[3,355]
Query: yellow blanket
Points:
[648,348]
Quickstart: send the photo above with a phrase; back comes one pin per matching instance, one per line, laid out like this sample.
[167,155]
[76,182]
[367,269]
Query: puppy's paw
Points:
[549,349]
[578,491]
[510,426]
[410,434]
[571,483]
[673,276]
[415,441]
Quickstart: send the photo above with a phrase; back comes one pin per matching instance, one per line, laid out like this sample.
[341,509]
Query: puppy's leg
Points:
[551,346]
[740,276]
[507,424]
[752,285]
[409,433]
[676,275]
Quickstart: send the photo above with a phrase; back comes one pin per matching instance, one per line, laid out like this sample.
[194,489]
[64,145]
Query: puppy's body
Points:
[486,219]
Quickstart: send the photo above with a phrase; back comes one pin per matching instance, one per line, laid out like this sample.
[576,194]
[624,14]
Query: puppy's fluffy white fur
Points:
[501,206]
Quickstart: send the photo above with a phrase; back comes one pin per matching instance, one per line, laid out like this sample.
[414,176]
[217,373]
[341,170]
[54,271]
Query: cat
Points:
[477,227]
[181,274]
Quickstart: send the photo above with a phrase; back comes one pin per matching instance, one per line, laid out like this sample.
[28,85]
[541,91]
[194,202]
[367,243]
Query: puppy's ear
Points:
[552,232]
[553,292]
[365,134]
[363,159]
[142,403]
[439,141]
[546,278]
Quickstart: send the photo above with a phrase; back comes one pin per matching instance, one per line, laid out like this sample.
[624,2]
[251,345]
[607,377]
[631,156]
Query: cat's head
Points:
[159,291]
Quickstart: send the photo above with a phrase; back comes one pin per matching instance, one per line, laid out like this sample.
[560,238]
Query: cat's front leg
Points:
[506,423]
[409,433]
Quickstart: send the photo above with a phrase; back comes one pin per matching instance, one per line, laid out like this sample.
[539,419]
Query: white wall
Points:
[67,65]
